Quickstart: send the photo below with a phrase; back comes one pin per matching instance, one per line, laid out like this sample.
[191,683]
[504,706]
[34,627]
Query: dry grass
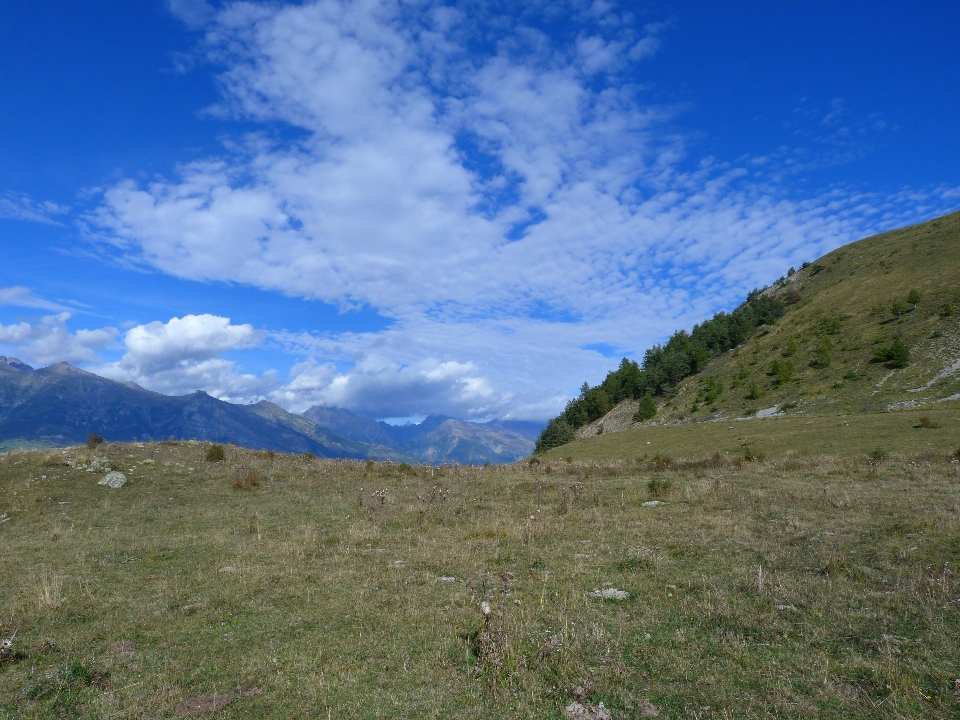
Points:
[801,586]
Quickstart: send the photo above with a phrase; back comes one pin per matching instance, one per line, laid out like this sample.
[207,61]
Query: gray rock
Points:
[114,480]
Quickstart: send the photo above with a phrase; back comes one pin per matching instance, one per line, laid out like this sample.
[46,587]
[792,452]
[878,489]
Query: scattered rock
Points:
[653,503]
[228,570]
[194,707]
[122,646]
[585,711]
[446,578]
[610,594]
[789,608]
[114,480]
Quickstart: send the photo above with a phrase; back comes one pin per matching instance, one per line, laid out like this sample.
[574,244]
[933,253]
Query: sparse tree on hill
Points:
[914,298]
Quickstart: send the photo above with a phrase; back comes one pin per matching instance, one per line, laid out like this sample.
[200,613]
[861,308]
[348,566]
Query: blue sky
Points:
[406,208]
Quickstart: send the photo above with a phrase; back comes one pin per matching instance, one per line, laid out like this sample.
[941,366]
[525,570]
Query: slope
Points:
[835,349]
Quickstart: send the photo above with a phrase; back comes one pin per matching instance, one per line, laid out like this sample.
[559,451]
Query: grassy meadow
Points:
[277,586]
[912,432]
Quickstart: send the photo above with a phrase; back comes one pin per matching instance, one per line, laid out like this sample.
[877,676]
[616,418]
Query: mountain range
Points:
[61,405]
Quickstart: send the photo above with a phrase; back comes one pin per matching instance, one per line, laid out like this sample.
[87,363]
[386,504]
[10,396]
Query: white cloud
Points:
[184,354]
[50,341]
[20,296]
[192,12]
[505,210]
[20,207]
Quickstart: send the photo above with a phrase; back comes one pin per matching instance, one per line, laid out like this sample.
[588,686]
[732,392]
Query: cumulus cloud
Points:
[184,354]
[50,341]
[505,207]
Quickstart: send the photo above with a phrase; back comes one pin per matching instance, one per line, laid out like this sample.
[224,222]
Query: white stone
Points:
[114,480]
[610,594]
[653,503]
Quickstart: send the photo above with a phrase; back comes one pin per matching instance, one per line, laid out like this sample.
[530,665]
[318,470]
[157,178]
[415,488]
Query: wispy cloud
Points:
[20,296]
[21,207]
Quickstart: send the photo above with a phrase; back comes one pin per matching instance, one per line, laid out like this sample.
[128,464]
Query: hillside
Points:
[437,439]
[829,352]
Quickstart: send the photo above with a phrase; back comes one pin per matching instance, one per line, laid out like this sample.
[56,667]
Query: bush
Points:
[946,310]
[94,440]
[899,354]
[781,371]
[822,355]
[754,393]
[646,410]
[896,356]
[913,297]
[658,488]
[216,453]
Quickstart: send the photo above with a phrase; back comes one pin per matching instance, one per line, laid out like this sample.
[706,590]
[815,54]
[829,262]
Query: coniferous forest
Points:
[663,366]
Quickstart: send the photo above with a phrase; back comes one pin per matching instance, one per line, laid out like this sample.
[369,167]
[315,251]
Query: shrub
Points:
[781,371]
[658,488]
[789,348]
[216,453]
[646,410]
[822,355]
[946,310]
[913,297]
[898,308]
[94,440]
[897,355]
[247,481]
[754,393]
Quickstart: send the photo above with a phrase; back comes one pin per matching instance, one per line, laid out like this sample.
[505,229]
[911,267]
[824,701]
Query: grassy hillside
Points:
[275,586]
[826,355]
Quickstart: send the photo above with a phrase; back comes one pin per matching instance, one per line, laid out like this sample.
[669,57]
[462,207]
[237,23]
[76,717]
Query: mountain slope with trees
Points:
[870,326]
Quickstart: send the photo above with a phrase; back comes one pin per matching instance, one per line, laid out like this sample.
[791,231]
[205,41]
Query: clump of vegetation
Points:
[754,392]
[946,310]
[822,354]
[658,487]
[789,348]
[895,355]
[646,410]
[913,297]
[216,453]
[94,440]
[782,371]
[926,423]
[247,480]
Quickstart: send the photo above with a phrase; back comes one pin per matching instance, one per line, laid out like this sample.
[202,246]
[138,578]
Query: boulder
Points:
[114,480]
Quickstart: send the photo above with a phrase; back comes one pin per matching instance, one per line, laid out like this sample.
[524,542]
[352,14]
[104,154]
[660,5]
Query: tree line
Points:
[663,367]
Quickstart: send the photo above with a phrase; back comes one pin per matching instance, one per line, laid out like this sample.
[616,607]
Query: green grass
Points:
[894,432]
[813,586]
[844,316]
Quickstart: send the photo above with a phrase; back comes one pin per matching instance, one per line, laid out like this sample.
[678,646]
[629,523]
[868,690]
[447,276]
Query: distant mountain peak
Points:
[14,363]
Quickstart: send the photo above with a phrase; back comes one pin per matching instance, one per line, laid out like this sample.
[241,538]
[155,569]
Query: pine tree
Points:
[647,409]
